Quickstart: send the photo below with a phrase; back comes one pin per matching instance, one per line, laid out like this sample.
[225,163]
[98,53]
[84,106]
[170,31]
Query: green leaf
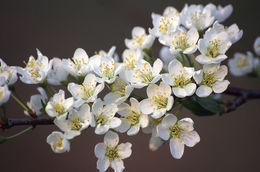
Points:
[211,104]
[2,139]
[203,106]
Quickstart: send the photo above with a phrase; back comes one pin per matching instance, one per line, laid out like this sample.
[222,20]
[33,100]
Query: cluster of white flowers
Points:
[244,64]
[194,44]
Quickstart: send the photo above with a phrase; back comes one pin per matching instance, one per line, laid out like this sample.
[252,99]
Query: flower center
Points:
[138,39]
[33,67]
[160,101]
[175,130]
[100,118]
[213,48]
[58,108]
[145,74]
[241,62]
[180,41]
[131,118]
[209,79]
[118,86]
[112,153]
[164,24]
[196,17]
[87,90]
[107,69]
[58,142]
[76,123]
[180,81]
[129,62]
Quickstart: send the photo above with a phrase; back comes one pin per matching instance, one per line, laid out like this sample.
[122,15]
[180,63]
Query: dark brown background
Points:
[228,143]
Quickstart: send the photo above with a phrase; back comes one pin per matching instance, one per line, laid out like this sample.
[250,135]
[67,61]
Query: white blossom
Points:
[8,74]
[36,70]
[58,142]
[59,106]
[132,118]
[79,65]
[110,153]
[164,26]
[257,46]
[105,67]
[196,16]
[179,78]
[234,33]
[37,102]
[145,74]
[182,41]
[211,78]
[4,94]
[57,73]
[87,91]
[159,100]
[213,46]
[103,117]
[76,121]
[179,132]
[241,64]
[220,13]
[121,89]
[140,40]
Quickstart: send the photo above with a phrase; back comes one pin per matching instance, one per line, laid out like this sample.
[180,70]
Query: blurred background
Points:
[228,143]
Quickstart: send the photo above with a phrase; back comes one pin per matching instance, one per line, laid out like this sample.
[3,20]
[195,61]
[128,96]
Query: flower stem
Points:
[20,133]
[196,64]
[20,102]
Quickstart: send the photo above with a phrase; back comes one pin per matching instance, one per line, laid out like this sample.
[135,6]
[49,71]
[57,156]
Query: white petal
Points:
[133,130]
[190,89]
[101,129]
[124,150]
[111,139]
[220,86]
[191,138]
[179,92]
[118,165]
[163,132]
[175,67]
[114,122]
[102,165]
[155,143]
[203,91]
[186,124]
[144,120]
[100,150]
[146,106]
[176,148]
[157,67]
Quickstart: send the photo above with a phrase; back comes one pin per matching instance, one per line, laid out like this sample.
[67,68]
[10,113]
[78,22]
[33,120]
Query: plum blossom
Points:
[4,94]
[58,142]
[74,122]
[103,117]
[196,16]
[179,78]
[8,74]
[179,132]
[132,118]
[111,154]
[79,65]
[87,91]
[211,78]
[140,40]
[57,73]
[145,74]
[241,64]
[213,46]
[105,67]
[36,70]
[59,106]
[159,100]
[37,102]
[220,13]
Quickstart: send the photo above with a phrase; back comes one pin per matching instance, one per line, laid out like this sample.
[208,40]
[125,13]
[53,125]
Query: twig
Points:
[242,96]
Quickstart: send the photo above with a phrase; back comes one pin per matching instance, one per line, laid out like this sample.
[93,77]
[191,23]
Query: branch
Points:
[27,121]
[242,96]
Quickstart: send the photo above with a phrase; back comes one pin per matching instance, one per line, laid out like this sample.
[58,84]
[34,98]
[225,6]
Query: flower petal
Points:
[203,91]
[100,150]
[111,139]
[118,165]
[124,150]
[146,106]
[102,165]
[190,139]
[163,132]
[176,148]
[220,86]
